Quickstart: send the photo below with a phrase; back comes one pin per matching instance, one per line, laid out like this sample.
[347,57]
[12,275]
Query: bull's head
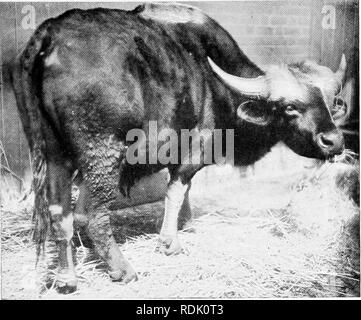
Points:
[300,99]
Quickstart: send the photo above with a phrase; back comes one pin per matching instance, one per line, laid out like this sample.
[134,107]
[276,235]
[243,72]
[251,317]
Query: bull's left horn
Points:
[251,87]
[340,73]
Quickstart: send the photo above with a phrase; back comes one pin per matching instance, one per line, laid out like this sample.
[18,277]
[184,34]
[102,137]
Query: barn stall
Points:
[285,227]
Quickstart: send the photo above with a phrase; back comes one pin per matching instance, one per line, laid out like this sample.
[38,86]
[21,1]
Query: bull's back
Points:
[121,67]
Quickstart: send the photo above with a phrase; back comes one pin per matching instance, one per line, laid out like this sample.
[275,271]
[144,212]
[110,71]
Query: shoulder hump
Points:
[173,13]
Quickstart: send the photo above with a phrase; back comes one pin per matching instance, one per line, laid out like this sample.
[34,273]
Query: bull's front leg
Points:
[185,214]
[177,192]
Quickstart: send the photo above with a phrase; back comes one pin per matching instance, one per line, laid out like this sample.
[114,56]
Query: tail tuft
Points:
[41,215]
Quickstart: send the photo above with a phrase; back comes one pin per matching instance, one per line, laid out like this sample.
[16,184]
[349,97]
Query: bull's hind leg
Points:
[99,230]
[62,224]
[101,173]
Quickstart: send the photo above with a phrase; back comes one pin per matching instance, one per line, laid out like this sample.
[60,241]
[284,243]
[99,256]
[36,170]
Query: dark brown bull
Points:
[87,77]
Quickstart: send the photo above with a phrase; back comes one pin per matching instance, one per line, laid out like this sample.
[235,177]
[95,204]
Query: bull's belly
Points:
[148,189]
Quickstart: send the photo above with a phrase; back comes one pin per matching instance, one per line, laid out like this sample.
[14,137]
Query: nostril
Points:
[331,142]
[325,141]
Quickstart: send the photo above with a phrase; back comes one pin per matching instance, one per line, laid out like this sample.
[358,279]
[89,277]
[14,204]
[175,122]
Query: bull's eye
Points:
[291,110]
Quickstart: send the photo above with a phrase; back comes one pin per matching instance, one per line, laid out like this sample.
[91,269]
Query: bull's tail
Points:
[26,81]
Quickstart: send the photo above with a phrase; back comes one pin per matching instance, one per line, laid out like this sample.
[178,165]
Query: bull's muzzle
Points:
[331,143]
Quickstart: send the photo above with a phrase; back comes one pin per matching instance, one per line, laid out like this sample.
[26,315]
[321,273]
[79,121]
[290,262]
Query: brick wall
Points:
[267,31]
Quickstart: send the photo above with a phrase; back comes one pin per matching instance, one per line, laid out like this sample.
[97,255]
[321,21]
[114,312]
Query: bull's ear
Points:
[339,109]
[256,112]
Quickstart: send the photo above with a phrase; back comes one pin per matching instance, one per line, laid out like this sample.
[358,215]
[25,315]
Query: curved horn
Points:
[251,87]
[340,73]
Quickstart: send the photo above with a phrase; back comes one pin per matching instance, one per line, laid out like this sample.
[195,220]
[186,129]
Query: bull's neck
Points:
[253,142]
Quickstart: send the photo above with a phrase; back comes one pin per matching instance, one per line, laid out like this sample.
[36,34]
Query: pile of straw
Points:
[309,248]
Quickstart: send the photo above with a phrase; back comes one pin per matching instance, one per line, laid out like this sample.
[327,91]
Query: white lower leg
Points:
[63,231]
[173,203]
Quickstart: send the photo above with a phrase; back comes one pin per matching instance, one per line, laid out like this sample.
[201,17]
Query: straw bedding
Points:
[307,248]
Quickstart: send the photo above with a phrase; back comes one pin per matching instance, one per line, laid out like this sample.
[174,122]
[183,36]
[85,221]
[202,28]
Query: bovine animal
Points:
[86,77]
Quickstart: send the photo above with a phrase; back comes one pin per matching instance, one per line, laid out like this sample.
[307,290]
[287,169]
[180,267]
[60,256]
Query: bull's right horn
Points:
[250,87]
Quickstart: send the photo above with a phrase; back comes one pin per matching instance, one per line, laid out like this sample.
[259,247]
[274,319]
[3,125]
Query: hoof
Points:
[66,283]
[123,275]
[169,246]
